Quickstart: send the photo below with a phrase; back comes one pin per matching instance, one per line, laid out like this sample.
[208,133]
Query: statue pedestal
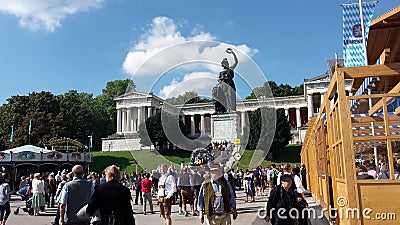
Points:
[224,127]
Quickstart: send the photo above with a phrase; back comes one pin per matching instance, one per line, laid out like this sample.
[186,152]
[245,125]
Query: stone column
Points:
[132,120]
[310,106]
[149,111]
[298,117]
[242,121]
[192,126]
[287,113]
[202,125]
[119,121]
[124,120]
[212,127]
[139,117]
[128,120]
[322,99]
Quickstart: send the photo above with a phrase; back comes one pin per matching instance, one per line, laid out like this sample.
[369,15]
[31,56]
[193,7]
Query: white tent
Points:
[25,148]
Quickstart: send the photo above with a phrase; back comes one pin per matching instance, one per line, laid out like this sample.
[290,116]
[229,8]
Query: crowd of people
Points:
[368,170]
[108,196]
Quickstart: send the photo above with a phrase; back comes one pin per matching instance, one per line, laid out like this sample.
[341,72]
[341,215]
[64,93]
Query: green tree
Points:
[77,110]
[105,101]
[44,127]
[282,131]
[19,109]
[154,132]
[259,140]
[272,88]
[189,97]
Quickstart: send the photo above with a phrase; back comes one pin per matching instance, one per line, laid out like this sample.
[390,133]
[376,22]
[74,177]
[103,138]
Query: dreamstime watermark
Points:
[343,212]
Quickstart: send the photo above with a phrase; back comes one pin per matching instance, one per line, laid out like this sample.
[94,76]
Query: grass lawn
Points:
[123,160]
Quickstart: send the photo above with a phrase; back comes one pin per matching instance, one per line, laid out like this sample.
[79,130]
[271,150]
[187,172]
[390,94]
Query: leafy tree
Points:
[282,134]
[105,101]
[44,127]
[77,110]
[74,115]
[154,132]
[276,90]
[19,109]
[189,97]
[282,131]
[298,90]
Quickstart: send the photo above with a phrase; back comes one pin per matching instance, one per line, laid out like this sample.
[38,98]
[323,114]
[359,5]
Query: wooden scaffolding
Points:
[359,128]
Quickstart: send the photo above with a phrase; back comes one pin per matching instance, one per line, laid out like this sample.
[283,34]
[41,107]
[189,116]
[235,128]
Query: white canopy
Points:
[30,148]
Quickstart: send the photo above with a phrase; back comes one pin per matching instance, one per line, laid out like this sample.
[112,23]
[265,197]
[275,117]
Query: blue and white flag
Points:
[12,133]
[353,49]
[30,127]
[91,141]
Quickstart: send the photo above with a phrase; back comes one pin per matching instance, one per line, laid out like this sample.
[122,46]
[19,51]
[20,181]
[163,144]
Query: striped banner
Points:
[353,49]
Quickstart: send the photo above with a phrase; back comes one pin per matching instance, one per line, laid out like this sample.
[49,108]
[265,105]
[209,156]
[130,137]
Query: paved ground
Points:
[247,214]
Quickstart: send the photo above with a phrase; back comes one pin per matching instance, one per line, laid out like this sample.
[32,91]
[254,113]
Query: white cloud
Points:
[200,82]
[163,47]
[45,14]
[163,54]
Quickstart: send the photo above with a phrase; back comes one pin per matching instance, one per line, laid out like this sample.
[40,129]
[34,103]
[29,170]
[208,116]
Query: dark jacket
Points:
[280,198]
[114,201]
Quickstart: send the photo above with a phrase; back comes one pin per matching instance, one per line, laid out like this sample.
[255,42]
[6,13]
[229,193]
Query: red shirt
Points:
[146,185]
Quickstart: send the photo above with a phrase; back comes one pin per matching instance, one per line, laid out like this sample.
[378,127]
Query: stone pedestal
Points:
[224,127]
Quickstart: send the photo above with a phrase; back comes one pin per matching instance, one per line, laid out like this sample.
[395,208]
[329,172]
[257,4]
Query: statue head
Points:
[225,63]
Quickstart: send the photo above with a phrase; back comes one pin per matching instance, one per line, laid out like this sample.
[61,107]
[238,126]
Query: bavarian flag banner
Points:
[353,49]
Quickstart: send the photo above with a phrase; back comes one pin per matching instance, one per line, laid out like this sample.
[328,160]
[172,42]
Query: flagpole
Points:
[12,134]
[363,33]
[29,131]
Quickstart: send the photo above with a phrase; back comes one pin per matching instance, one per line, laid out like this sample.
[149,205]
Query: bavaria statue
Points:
[224,93]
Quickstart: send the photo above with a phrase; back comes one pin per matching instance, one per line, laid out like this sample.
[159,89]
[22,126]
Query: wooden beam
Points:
[373,96]
[392,69]
[397,110]
[383,17]
[389,142]
[385,53]
[368,119]
[347,148]
[379,105]
[332,85]
[375,138]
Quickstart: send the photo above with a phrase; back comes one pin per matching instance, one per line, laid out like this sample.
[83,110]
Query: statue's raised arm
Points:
[230,51]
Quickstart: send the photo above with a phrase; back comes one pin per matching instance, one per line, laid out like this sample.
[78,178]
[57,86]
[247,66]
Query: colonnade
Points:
[129,119]
[310,103]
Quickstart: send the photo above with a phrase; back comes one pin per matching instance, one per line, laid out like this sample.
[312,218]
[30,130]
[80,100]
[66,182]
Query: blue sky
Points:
[63,45]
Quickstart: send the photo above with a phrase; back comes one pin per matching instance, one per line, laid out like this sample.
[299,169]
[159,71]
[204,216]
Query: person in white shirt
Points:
[298,183]
[38,193]
[166,189]
[4,199]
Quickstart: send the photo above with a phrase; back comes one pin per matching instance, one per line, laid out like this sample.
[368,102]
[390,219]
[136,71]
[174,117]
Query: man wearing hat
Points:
[216,200]
[281,201]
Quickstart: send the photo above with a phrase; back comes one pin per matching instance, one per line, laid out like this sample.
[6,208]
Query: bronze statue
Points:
[224,93]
